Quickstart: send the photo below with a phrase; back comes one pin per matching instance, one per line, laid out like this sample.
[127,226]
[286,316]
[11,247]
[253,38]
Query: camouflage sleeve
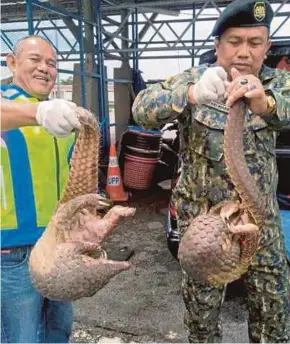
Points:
[161,103]
[281,118]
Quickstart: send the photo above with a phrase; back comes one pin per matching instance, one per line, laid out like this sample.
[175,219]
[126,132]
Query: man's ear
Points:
[216,44]
[11,62]
[268,45]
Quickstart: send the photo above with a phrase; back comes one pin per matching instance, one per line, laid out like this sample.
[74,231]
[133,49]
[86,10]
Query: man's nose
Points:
[42,66]
[244,50]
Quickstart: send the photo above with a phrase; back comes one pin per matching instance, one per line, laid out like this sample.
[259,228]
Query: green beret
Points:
[244,13]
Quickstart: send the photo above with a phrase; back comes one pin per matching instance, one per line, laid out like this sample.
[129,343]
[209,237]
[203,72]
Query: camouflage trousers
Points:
[267,283]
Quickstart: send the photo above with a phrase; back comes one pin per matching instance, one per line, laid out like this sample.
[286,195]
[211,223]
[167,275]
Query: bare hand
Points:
[252,90]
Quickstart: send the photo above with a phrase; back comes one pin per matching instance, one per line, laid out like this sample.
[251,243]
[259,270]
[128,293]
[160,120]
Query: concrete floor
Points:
[145,303]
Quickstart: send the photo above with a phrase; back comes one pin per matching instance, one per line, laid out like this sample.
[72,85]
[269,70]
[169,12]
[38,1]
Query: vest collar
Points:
[13,91]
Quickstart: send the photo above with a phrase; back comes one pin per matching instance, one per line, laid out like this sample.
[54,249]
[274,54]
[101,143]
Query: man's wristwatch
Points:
[271,104]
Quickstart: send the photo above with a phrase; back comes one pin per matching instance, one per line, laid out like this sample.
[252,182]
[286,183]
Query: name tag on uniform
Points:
[218,106]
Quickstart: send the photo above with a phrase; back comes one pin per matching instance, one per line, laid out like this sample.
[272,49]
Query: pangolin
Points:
[67,262]
[217,247]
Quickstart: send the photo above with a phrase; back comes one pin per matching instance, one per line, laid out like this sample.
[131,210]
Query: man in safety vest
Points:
[34,168]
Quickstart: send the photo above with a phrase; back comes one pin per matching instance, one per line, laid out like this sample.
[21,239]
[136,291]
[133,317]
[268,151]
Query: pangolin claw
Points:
[246,229]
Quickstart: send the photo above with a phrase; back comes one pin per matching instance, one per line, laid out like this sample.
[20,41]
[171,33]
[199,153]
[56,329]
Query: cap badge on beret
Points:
[259,11]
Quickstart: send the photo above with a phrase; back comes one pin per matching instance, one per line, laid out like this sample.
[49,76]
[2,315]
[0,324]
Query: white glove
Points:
[211,86]
[58,117]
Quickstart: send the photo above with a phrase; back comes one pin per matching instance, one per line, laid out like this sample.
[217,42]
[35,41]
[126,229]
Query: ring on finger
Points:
[243,82]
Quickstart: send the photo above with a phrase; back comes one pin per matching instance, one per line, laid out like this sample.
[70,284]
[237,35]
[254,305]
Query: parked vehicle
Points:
[168,162]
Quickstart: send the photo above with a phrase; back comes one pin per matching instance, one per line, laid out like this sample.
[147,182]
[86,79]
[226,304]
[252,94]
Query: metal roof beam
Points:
[151,4]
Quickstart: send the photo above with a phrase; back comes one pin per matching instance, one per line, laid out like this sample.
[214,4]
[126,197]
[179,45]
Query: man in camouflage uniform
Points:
[199,98]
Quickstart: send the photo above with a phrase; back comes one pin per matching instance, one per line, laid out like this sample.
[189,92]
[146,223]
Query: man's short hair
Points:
[17,47]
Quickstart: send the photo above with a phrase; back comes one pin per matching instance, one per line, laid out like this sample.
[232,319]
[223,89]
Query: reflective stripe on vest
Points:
[34,167]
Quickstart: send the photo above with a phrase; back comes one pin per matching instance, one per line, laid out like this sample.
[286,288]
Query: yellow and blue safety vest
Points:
[34,170]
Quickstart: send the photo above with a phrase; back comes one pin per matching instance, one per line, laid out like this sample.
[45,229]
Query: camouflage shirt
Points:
[204,181]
